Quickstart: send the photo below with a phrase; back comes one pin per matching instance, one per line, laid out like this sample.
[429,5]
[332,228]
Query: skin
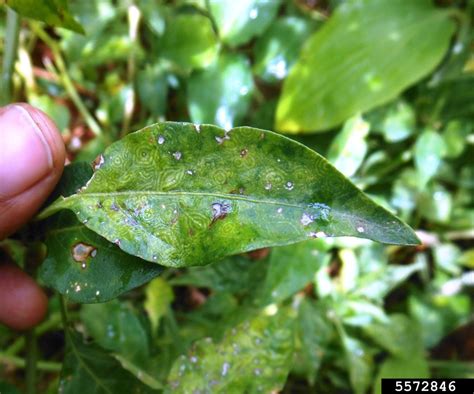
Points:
[31,162]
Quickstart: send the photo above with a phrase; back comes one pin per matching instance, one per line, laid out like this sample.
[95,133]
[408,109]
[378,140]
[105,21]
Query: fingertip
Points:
[23,303]
[31,163]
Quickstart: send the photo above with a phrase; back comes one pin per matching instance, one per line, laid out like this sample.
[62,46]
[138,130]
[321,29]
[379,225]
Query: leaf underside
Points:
[180,194]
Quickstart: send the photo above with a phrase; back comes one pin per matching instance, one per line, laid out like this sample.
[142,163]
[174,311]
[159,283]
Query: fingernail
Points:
[25,155]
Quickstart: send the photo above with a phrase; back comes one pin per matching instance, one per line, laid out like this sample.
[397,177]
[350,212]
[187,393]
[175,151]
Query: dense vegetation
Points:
[384,89]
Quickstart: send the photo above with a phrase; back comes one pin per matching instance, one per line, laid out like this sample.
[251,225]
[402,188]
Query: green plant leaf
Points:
[180,194]
[415,367]
[159,296]
[52,12]
[428,151]
[254,356]
[348,149]
[78,259]
[116,327]
[283,278]
[89,369]
[343,70]
[239,21]
[277,50]
[189,41]
[221,94]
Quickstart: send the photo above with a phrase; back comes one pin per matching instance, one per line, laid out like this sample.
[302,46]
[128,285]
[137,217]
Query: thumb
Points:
[31,161]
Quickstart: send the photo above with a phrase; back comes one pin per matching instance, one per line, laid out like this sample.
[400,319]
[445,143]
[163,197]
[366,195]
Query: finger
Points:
[23,303]
[31,161]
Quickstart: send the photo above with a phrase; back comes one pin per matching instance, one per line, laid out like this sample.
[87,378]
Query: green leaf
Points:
[159,296]
[429,150]
[236,274]
[189,41]
[283,278]
[89,369]
[116,327]
[152,89]
[78,259]
[359,363]
[52,12]
[239,21]
[400,336]
[221,94]
[314,332]
[363,56]
[277,50]
[348,149]
[180,194]
[402,368]
[254,356]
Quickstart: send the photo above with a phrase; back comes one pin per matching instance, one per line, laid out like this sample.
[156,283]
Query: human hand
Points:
[31,162]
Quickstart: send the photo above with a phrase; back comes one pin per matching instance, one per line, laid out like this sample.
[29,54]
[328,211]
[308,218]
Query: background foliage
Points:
[383,89]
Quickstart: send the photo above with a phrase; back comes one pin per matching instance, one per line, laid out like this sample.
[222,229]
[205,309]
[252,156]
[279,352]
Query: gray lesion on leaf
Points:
[81,252]
[220,211]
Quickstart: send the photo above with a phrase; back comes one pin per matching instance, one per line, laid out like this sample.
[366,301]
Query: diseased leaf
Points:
[239,21]
[343,70]
[181,194]
[252,357]
[89,369]
[52,12]
[221,94]
[189,41]
[82,265]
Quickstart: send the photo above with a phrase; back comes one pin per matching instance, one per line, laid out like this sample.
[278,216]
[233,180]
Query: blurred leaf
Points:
[400,336]
[314,333]
[152,89]
[436,204]
[78,259]
[428,152]
[278,48]
[54,109]
[348,149]
[343,70]
[116,327]
[154,15]
[454,137]
[6,388]
[159,296]
[284,278]
[438,315]
[378,284]
[239,21]
[52,12]
[189,41]
[221,94]
[254,356]
[235,274]
[88,368]
[180,195]
[399,122]
[402,368]
[359,364]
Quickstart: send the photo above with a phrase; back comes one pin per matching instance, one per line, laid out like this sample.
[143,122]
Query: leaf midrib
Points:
[185,193]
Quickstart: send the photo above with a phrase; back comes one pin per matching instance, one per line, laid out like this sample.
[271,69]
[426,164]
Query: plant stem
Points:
[64,318]
[11,48]
[47,366]
[31,358]
[66,80]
